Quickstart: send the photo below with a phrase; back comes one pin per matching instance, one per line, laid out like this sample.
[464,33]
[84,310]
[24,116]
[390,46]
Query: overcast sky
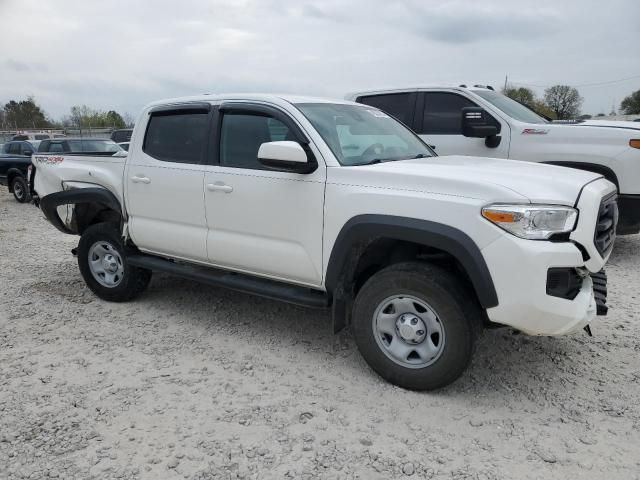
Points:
[122,54]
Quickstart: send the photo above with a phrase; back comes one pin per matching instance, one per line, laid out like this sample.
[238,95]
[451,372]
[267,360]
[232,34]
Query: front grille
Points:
[606,225]
[600,291]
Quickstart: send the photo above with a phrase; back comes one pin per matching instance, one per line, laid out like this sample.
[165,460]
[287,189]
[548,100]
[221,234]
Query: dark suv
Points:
[122,135]
[15,159]
[20,147]
[78,145]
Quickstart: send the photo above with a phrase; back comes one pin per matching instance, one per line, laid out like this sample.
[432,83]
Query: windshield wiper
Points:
[385,160]
[370,162]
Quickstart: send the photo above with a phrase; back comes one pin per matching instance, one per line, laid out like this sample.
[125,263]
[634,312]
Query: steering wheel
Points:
[373,150]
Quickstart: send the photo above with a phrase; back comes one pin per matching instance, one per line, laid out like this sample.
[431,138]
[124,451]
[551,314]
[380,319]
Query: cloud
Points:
[466,23]
[17,66]
[121,55]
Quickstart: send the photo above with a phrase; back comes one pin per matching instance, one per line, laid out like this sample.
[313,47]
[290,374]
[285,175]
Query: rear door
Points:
[164,182]
[262,221]
[439,123]
[401,106]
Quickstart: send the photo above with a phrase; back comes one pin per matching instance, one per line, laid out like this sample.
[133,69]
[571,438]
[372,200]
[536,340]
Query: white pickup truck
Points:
[336,205]
[482,122]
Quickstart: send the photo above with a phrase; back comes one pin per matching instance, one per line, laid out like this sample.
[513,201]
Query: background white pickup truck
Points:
[337,205]
[482,122]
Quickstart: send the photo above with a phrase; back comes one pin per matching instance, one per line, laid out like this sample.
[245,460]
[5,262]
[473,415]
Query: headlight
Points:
[535,222]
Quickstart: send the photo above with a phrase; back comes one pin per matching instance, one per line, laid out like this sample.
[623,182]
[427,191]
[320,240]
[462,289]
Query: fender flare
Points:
[603,170]
[458,244]
[50,203]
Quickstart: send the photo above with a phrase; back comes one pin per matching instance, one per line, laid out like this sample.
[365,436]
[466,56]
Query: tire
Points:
[431,316]
[20,189]
[119,281]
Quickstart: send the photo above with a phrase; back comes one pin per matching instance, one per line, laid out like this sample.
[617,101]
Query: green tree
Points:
[564,100]
[86,117]
[527,97]
[631,104]
[25,114]
[521,94]
[113,118]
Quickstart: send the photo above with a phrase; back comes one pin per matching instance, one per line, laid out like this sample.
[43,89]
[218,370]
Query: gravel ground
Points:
[196,382]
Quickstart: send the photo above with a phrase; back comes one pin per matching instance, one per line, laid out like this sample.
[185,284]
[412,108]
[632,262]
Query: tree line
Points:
[563,102]
[23,114]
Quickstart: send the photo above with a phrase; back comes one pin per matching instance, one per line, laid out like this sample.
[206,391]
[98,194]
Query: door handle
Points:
[219,187]
[138,179]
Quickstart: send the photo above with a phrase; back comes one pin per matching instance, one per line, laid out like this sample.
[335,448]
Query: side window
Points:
[178,136]
[398,105]
[443,113]
[14,148]
[44,146]
[242,134]
[25,147]
[56,147]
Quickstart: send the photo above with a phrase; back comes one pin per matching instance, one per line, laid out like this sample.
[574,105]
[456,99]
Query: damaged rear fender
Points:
[87,204]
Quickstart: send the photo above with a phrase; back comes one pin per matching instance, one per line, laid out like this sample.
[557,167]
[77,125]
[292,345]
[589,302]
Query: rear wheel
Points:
[103,264]
[416,325]
[20,189]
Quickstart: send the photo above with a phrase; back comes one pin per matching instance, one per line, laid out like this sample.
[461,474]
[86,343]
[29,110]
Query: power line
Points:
[608,82]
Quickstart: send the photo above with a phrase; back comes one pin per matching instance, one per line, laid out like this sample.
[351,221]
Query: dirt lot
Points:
[194,382]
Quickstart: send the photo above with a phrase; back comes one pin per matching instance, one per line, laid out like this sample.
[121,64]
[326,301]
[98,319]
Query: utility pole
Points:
[505,83]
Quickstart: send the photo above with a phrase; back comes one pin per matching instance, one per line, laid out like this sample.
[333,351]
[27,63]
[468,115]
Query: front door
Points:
[263,221]
[440,125]
[164,181]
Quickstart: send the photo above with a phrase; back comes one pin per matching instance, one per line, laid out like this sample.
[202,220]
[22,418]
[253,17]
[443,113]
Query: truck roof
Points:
[353,95]
[264,97]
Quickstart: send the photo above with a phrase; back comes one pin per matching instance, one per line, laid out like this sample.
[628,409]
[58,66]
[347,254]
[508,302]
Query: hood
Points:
[611,124]
[489,179]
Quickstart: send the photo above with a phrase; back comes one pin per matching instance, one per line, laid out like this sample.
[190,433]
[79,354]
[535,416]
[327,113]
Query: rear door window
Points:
[177,136]
[56,147]
[399,105]
[14,148]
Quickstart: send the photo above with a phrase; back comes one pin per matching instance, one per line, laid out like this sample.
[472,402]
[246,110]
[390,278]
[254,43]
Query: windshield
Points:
[93,146]
[510,107]
[359,135]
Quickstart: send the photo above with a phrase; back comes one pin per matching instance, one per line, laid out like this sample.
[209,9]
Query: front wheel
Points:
[416,324]
[20,189]
[103,264]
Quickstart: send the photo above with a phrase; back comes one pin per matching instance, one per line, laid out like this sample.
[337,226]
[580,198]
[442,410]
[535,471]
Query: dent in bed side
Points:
[361,231]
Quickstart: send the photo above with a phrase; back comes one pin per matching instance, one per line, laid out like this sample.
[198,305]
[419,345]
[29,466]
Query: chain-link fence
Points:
[41,134]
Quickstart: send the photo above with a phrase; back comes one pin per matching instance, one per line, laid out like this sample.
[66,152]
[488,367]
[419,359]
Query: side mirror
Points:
[285,155]
[475,125]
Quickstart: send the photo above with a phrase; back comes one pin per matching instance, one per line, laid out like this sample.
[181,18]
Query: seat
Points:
[242,136]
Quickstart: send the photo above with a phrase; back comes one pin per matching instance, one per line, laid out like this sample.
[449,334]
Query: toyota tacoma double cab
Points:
[482,122]
[336,205]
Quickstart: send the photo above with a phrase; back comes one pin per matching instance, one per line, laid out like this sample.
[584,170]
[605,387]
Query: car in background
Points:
[79,145]
[20,147]
[122,135]
[479,121]
[31,136]
[124,145]
[13,174]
